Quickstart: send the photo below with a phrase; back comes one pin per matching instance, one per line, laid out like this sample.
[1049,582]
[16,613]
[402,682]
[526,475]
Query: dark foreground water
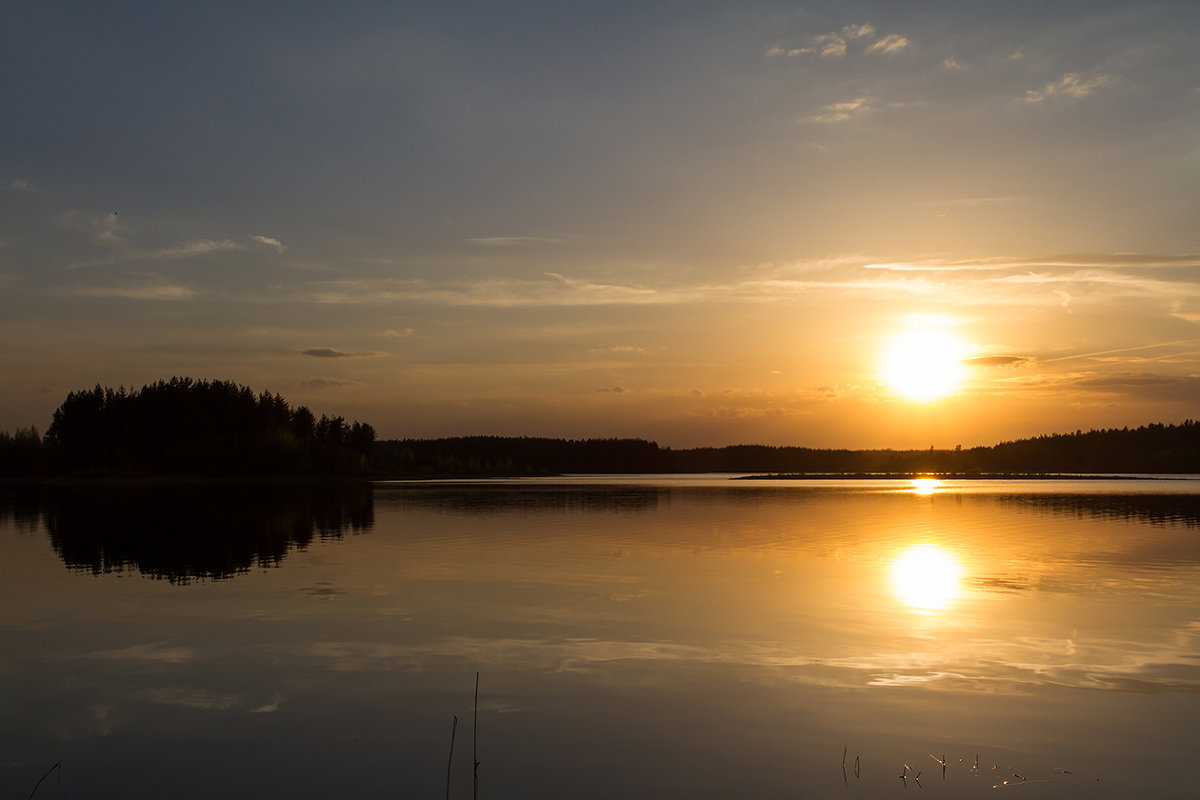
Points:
[682,637]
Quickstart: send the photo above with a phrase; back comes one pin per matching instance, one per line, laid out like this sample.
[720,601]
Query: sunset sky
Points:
[697,223]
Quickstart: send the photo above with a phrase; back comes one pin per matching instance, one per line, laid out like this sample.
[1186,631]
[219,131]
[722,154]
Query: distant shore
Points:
[310,480]
[955,476]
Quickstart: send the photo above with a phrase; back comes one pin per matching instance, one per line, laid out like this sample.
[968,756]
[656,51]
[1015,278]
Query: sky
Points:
[695,223]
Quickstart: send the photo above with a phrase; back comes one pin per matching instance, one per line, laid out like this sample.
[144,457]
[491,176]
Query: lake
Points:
[634,637]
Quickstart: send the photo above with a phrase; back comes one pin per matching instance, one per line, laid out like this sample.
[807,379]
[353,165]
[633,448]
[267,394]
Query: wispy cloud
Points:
[614,389]
[196,247]
[554,290]
[192,698]
[827,45]
[269,241]
[329,383]
[1132,379]
[102,229]
[1147,385]
[974,202]
[840,112]
[391,333]
[997,361]
[154,651]
[333,352]
[892,43]
[1005,281]
[1071,260]
[267,708]
[864,31]
[1073,84]
[20,185]
[189,249]
[512,241]
[154,291]
[1096,355]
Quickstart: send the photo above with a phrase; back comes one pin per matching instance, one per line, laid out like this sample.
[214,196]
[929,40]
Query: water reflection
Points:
[925,485]
[926,577]
[1159,508]
[635,641]
[197,532]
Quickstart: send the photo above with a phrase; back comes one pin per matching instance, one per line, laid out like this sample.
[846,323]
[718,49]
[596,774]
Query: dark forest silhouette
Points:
[1153,448]
[185,427]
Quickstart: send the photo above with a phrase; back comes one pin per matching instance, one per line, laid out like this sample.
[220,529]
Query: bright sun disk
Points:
[924,364]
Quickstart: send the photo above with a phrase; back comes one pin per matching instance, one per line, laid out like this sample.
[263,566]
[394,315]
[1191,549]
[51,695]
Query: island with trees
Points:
[186,427]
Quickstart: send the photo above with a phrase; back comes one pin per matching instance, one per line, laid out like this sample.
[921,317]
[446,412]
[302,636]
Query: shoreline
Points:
[317,480]
[965,476]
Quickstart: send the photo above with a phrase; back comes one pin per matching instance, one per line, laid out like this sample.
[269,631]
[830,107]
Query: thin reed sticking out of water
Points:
[450,761]
[57,766]
[475,742]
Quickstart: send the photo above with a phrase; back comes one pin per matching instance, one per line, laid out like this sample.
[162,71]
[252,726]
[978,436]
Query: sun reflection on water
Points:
[926,485]
[926,577]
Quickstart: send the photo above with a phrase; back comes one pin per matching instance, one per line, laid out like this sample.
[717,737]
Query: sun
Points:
[924,364]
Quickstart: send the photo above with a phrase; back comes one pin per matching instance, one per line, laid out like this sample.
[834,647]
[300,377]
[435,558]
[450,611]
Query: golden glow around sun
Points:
[924,363]
[926,577]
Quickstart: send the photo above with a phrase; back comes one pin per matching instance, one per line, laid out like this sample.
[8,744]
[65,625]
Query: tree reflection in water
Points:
[182,533]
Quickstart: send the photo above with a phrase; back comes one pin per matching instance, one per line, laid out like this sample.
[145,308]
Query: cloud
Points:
[196,247]
[392,333]
[268,708]
[1096,260]
[1073,84]
[748,412]
[154,651]
[1006,281]
[997,361]
[511,241]
[189,249]
[269,242]
[1135,348]
[103,229]
[149,292]
[328,383]
[331,352]
[1134,379]
[840,112]
[892,43]
[614,389]
[192,698]
[21,185]
[953,64]
[829,45]
[554,290]
[863,31]
[618,348]
[1146,385]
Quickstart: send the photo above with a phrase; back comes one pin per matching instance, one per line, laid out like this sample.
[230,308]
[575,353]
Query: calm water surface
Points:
[636,638]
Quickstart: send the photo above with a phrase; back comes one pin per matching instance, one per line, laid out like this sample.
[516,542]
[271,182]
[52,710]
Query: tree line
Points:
[184,426]
[198,427]
[1155,448]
